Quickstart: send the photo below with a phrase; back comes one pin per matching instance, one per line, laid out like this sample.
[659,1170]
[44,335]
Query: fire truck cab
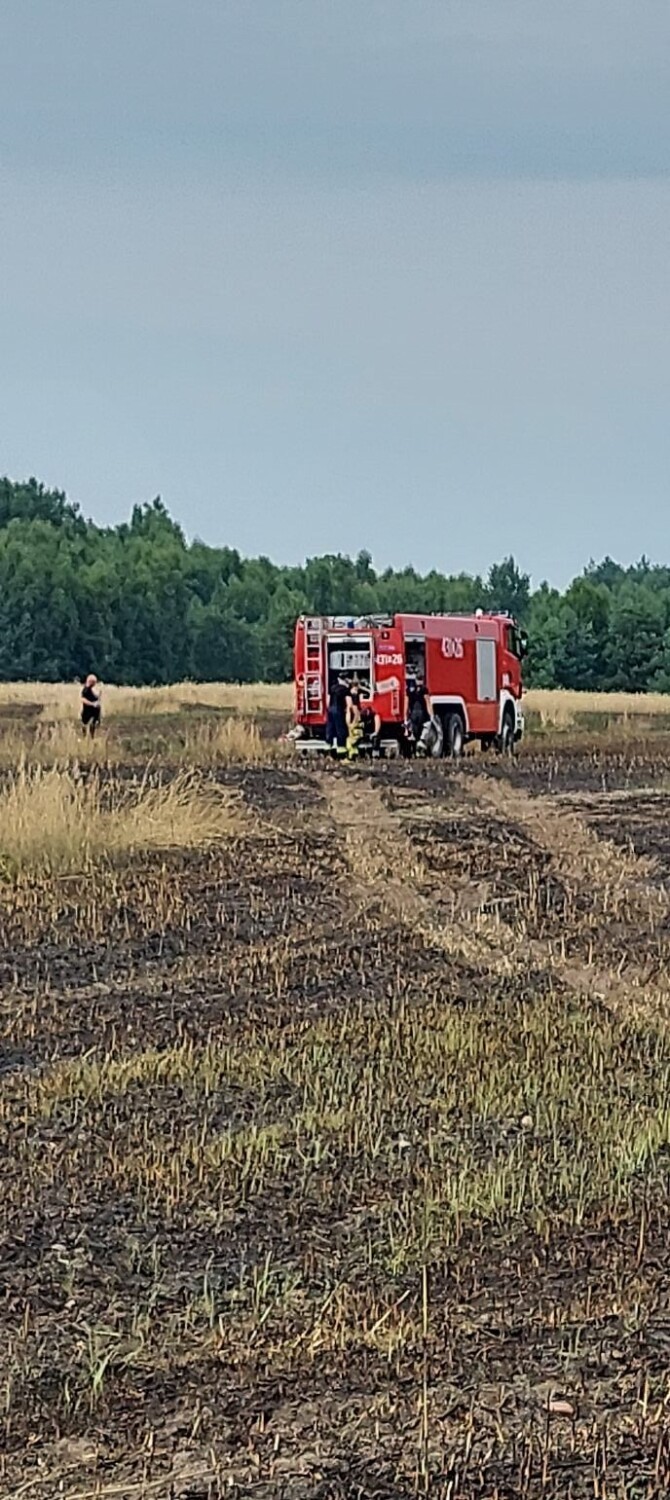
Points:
[470,664]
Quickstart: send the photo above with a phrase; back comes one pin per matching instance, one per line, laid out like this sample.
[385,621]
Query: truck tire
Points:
[507,739]
[454,737]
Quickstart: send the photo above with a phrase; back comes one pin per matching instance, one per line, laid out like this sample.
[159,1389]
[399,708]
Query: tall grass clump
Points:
[54,820]
[233,741]
[60,741]
[47,822]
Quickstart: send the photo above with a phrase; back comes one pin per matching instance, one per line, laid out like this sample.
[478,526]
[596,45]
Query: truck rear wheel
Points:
[454,737]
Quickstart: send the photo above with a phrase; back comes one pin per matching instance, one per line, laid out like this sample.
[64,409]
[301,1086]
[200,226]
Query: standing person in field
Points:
[90,705]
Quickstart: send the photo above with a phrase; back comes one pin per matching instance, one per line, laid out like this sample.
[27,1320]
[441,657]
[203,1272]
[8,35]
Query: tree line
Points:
[139,604]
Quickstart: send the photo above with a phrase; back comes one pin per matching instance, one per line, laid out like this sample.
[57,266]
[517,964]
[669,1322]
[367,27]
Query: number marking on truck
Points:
[452,647]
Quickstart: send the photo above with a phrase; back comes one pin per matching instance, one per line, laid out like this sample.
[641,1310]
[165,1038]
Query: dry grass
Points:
[189,741]
[60,700]
[555,708]
[559,709]
[233,741]
[48,742]
[61,741]
[54,821]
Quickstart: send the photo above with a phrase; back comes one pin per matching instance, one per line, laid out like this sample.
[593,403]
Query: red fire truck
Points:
[470,664]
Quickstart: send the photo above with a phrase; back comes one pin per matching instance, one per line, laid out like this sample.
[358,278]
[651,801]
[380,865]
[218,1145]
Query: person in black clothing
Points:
[372,728]
[339,708]
[90,705]
[355,694]
[419,706]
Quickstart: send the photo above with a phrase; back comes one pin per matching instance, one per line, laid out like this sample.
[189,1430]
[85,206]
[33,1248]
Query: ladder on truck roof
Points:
[314,666]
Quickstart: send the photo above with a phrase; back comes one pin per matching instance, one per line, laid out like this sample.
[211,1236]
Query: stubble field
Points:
[335,1118]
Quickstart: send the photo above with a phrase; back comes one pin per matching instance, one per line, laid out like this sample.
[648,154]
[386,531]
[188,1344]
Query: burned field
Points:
[335,1148]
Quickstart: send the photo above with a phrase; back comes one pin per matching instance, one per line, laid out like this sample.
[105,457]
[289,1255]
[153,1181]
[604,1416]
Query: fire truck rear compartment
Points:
[415,655]
[350,655]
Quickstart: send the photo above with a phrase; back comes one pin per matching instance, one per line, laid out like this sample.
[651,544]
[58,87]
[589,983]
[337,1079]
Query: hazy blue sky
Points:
[328,274]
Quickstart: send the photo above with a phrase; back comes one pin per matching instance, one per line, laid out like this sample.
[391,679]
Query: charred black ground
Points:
[335,1156]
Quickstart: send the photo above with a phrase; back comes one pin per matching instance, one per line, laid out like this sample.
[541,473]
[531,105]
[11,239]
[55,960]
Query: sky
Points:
[340,274]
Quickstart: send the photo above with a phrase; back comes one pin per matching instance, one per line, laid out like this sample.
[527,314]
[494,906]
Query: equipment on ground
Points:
[469,665]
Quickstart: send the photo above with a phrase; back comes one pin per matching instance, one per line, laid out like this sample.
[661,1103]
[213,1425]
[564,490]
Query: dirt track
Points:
[335,1158]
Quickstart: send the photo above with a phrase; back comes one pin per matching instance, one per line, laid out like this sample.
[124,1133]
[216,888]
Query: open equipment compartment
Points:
[352,656]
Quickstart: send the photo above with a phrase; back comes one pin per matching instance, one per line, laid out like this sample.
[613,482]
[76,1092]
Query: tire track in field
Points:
[581,855]
[618,886]
[388,874]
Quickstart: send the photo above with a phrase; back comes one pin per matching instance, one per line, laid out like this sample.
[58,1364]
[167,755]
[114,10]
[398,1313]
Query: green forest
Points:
[138,604]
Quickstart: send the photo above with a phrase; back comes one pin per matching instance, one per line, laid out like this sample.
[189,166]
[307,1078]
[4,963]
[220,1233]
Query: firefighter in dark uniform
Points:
[339,708]
[419,706]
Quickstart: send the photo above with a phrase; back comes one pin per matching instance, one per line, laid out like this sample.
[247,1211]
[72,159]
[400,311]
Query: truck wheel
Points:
[454,737]
[507,734]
